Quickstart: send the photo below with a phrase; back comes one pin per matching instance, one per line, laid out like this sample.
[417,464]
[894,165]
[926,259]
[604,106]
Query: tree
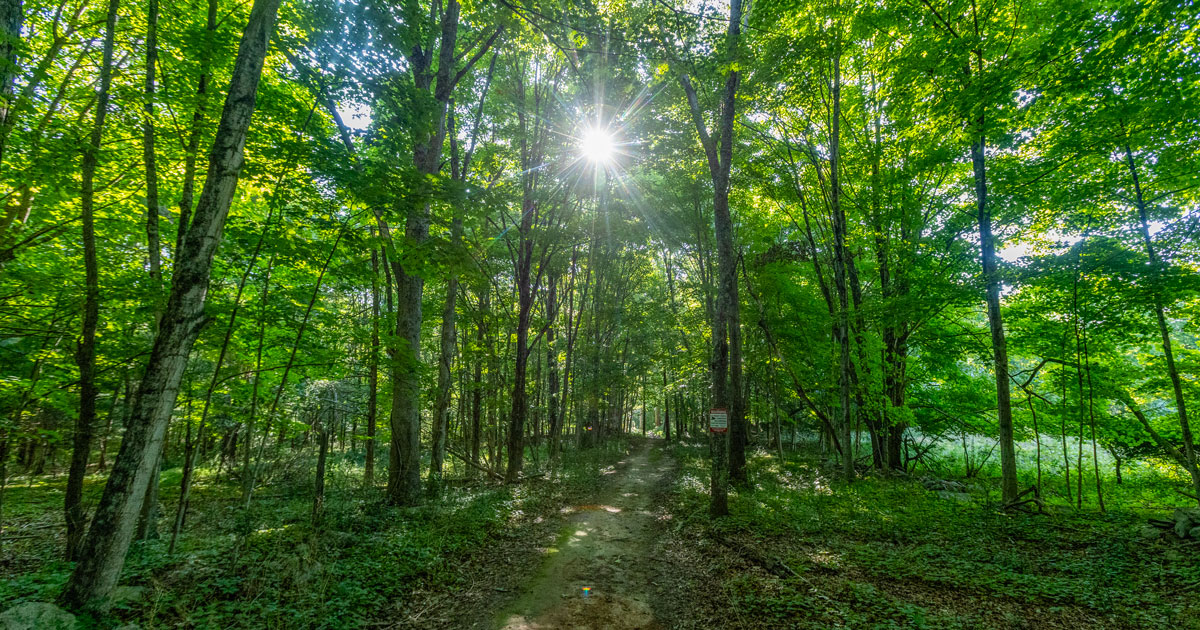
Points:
[108,539]
[727,367]
[85,356]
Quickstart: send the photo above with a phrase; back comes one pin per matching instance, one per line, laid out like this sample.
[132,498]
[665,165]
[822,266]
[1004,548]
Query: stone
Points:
[1150,532]
[128,594]
[947,485]
[962,497]
[1185,520]
[36,616]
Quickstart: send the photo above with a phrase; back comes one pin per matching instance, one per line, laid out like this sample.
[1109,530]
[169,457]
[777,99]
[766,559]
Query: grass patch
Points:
[886,553]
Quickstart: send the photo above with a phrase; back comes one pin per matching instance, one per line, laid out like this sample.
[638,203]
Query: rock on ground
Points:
[36,616]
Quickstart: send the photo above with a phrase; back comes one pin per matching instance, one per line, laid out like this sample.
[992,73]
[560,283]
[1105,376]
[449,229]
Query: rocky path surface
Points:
[601,572]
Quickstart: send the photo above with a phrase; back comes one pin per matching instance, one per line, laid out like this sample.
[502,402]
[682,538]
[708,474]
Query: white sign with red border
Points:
[718,420]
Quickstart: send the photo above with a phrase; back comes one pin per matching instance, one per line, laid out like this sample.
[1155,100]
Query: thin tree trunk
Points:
[840,258]
[441,412]
[101,462]
[373,375]
[554,418]
[153,244]
[1189,449]
[666,408]
[85,356]
[193,144]
[1008,454]
[1092,417]
[312,301]
[247,469]
[1037,436]
[1078,376]
[108,540]
[318,510]
[1063,423]
[189,463]
[477,393]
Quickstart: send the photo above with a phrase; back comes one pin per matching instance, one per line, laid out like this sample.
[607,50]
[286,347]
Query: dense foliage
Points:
[468,243]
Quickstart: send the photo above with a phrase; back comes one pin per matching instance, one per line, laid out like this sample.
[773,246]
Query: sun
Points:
[597,145]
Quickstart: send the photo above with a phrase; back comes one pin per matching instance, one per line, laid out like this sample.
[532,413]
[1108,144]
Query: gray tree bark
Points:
[112,527]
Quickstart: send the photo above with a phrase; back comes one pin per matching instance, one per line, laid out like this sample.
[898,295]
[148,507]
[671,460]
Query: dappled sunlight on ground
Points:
[597,574]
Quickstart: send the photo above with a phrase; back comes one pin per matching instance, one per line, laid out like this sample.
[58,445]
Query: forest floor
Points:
[601,572]
[803,550]
[628,521]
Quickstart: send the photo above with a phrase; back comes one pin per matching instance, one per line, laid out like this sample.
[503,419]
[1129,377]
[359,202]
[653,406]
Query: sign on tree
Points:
[718,420]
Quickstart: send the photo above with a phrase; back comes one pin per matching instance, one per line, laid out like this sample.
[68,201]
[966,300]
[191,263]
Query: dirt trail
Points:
[604,547]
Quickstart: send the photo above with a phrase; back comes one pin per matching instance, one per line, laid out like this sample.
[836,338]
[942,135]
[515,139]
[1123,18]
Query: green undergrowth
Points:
[268,567]
[887,553]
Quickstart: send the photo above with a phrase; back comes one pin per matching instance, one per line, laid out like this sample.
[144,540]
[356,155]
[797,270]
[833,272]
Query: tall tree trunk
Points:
[442,410]
[727,369]
[287,368]
[530,156]
[85,356]
[477,393]
[516,429]
[108,540]
[987,244]
[1092,417]
[571,330]
[1156,267]
[666,408]
[101,461]
[189,463]
[193,144]
[153,244]
[247,465]
[404,469]
[318,509]
[554,418]
[373,373]
[1078,377]
[840,259]
[12,18]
